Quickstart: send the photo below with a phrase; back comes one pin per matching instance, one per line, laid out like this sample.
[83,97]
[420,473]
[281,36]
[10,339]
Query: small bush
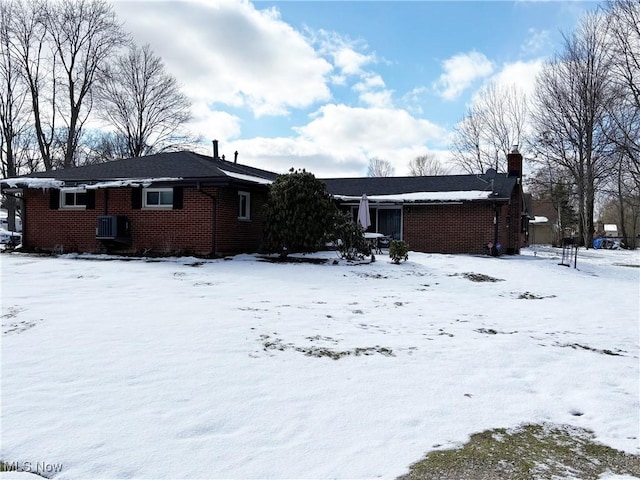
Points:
[398,251]
[348,238]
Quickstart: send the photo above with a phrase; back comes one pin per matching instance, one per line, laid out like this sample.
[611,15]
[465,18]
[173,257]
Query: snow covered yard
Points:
[184,368]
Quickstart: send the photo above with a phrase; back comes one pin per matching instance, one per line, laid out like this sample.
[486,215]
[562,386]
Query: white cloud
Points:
[538,41]
[381,99]
[351,62]
[520,74]
[368,83]
[346,53]
[348,58]
[230,53]
[368,127]
[340,140]
[231,57]
[460,71]
[210,124]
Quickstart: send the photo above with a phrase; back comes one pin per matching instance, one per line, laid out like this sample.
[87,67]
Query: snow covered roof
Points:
[134,182]
[456,196]
[29,182]
[181,167]
[191,168]
[539,219]
[445,188]
[250,178]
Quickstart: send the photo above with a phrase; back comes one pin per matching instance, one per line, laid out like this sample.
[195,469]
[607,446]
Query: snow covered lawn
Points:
[183,368]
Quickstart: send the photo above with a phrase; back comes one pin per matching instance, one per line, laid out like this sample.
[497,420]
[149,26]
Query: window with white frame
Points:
[244,206]
[76,198]
[157,198]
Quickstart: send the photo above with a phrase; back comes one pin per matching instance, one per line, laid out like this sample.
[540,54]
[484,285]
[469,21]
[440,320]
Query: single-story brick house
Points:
[445,214]
[179,202]
[183,202]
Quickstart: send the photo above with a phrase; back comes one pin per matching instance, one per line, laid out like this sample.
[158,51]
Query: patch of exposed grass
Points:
[478,277]
[491,331]
[269,343]
[604,351]
[529,452]
[533,296]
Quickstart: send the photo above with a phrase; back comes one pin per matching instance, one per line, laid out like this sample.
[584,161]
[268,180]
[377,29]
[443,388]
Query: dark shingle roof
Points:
[502,184]
[183,164]
[194,167]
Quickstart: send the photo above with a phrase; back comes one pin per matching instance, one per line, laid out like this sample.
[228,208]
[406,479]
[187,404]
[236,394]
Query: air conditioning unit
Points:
[113,228]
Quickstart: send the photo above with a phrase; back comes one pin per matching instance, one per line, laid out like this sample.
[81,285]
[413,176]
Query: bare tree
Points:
[466,143]
[427,164]
[380,168]
[143,103]
[84,33]
[13,96]
[573,92]
[550,182]
[28,44]
[624,114]
[100,146]
[490,129]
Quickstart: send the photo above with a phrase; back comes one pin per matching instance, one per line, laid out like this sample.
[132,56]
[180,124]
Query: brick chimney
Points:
[215,150]
[514,163]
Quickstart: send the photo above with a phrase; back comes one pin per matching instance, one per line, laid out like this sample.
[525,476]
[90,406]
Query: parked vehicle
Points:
[9,238]
[4,221]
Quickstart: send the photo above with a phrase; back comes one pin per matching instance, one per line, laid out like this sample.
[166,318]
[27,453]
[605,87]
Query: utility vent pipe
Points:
[215,149]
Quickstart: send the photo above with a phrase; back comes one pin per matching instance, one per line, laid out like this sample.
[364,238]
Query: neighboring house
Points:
[180,202]
[445,214]
[186,203]
[544,229]
[541,231]
[610,230]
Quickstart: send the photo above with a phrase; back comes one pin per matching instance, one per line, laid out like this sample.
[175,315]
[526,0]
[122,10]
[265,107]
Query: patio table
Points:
[372,238]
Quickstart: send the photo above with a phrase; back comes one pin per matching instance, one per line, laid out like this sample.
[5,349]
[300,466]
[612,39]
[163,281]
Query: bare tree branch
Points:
[143,103]
[380,168]
[427,164]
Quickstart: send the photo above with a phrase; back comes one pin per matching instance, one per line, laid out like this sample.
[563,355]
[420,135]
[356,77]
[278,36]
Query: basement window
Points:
[158,198]
[73,199]
[244,206]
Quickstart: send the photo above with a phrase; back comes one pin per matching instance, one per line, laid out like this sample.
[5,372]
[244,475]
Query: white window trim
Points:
[145,205]
[247,195]
[63,198]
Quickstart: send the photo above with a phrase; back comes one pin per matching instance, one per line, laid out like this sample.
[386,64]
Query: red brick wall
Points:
[234,235]
[465,228]
[188,230]
[44,228]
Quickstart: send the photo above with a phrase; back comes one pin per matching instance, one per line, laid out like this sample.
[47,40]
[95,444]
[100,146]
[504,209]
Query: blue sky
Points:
[328,85]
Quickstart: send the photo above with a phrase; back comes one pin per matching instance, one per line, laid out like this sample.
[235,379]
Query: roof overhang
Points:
[18,184]
[425,198]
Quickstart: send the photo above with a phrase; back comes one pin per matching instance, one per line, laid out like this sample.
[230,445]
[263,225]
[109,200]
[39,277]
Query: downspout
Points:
[213,217]
[496,216]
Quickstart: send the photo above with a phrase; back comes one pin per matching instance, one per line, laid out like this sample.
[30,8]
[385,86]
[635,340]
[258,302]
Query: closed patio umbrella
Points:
[364,218]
